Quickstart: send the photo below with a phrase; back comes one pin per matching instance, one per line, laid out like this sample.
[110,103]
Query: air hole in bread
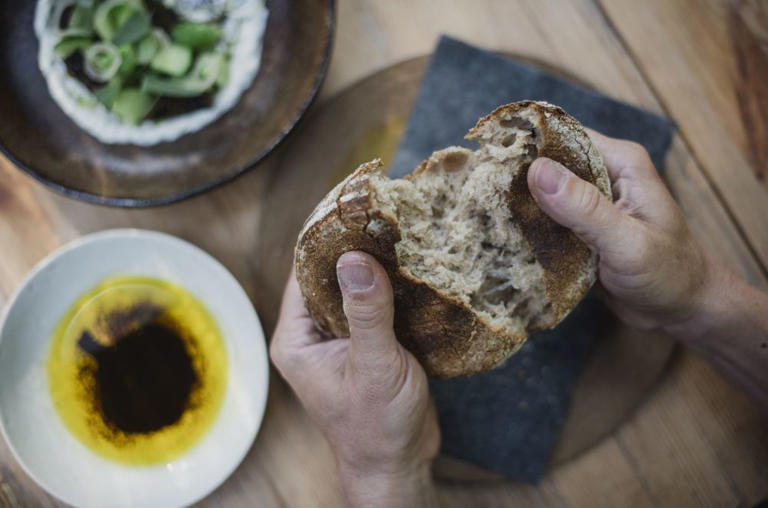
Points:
[516,121]
[454,161]
[457,232]
[509,140]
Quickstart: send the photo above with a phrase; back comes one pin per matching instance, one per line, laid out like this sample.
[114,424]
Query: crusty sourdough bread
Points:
[475,264]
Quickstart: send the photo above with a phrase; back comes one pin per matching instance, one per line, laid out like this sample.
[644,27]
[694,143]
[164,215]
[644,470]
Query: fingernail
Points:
[355,275]
[550,176]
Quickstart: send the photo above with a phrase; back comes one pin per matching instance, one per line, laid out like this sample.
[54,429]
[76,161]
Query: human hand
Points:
[654,271]
[367,393]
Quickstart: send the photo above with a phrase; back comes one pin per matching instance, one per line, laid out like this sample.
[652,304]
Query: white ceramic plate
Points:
[44,447]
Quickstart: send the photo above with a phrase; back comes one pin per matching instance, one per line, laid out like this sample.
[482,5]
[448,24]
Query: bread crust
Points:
[447,337]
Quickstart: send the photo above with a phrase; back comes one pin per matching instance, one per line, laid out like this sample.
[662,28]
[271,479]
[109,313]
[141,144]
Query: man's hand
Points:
[651,266]
[367,393]
[656,275]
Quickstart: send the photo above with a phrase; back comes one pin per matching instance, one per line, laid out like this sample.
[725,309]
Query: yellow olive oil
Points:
[137,370]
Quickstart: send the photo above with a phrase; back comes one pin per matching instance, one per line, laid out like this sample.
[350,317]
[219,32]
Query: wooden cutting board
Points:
[365,121]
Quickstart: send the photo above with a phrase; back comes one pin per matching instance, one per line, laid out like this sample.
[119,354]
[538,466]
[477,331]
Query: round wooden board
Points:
[365,121]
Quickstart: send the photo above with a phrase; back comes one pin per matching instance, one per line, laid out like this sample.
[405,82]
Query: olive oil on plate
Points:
[137,370]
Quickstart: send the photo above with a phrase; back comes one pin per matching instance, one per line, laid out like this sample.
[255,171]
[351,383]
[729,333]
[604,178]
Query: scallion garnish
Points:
[136,62]
[202,77]
[102,61]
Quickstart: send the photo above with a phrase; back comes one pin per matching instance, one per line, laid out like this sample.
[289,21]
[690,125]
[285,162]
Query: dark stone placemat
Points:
[508,420]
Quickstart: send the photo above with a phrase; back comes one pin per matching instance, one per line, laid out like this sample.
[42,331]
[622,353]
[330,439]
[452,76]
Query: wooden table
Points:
[696,441]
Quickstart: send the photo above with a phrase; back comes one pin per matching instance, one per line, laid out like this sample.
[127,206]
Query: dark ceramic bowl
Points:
[40,139]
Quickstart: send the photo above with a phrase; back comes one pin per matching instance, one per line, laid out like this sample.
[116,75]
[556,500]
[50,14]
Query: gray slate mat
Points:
[507,420]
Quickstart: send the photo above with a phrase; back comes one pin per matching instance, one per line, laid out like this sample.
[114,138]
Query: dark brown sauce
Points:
[143,380]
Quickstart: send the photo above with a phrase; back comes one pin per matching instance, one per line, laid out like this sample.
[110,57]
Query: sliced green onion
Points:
[101,19]
[146,49]
[128,65]
[67,46]
[132,105]
[120,14]
[54,22]
[161,37]
[202,77]
[135,27]
[108,93]
[102,61]
[81,20]
[196,35]
[208,67]
[112,14]
[172,59]
[74,32]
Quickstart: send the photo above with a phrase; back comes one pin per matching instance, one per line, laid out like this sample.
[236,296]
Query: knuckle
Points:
[638,160]
[589,201]
[367,315]
[636,152]
[385,375]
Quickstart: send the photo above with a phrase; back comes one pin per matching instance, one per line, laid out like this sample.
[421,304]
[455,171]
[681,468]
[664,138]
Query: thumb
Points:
[369,307]
[577,205]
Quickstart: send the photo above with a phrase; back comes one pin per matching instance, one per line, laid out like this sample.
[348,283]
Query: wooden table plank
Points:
[669,456]
[26,233]
[690,51]
[715,432]
[584,482]
[705,214]
[735,431]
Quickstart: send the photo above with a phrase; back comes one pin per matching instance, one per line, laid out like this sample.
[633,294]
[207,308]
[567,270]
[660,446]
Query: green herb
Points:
[67,46]
[111,15]
[128,65]
[132,105]
[102,61]
[196,35]
[135,27]
[202,78]
[108,93]
[146,49]
[81,20]
[172,59]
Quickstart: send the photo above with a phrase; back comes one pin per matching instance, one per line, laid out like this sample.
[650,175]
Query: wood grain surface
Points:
[696,441]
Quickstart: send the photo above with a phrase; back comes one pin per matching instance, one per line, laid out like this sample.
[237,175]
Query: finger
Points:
[369,307]
[292,305]
[579,206]
[623,158]
[295,329]
[636,185]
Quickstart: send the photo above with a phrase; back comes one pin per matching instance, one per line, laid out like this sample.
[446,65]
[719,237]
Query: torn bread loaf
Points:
[475,264]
